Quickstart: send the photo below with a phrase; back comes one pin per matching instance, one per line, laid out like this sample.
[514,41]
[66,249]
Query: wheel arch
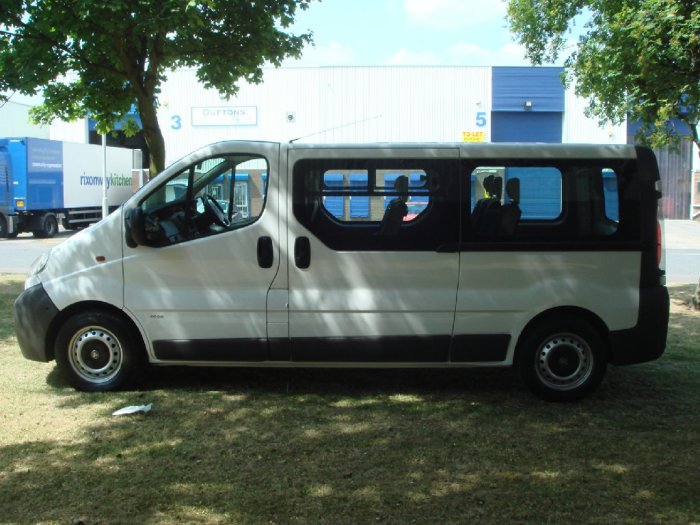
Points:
[86,306]
[565,311]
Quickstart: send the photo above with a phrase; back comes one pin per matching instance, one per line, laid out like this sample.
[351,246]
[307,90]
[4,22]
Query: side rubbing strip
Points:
[211,350]
[479,348]
[391,349]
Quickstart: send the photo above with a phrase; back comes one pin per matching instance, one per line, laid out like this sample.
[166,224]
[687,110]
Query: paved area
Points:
[682,235]
[682,243]
[17,255]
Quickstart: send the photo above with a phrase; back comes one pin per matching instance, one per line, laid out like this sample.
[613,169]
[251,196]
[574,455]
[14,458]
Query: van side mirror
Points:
[134,227]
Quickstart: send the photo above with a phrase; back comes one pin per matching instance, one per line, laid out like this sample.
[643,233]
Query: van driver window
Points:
[210,197]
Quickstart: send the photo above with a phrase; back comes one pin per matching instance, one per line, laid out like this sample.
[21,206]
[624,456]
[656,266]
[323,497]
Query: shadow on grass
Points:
[297,446]
[10,286]
[682,292]
[348,446]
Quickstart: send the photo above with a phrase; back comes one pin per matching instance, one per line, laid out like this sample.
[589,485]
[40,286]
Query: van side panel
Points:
[365,293]
[501,291]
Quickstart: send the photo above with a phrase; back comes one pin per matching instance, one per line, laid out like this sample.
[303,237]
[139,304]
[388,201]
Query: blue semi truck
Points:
[45,181]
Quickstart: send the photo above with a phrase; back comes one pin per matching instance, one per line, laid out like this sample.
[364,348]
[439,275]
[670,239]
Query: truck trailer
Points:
[43,181]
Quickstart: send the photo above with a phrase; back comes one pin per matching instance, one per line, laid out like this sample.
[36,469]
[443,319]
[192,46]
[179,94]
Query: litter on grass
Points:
[133,409]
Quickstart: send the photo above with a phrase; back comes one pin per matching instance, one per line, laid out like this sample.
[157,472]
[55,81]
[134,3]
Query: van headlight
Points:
[35,269]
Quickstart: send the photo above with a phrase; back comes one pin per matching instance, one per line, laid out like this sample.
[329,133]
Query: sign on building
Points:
[225,116]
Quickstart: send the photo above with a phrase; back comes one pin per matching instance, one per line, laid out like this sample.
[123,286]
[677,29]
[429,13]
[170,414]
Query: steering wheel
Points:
[213,208]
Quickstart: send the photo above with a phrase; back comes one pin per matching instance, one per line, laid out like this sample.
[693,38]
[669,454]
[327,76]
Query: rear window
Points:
[540,196]
[565,200]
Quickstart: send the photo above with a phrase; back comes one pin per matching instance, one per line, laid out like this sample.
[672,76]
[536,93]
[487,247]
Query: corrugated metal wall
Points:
[528,104]
[541,86]
[580,129]
[675,171]
[336,104]
[14,121]
[675,167]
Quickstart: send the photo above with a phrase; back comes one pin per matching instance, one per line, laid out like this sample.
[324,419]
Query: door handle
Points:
[265,253]
[302,253]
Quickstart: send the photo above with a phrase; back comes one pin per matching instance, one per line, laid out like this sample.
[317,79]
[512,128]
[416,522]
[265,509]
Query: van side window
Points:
[568,200]
[347,195]
[378,203]
[540,189]
[214,196]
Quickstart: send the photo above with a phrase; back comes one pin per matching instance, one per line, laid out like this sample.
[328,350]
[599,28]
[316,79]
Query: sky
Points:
[404,32]
[408,32]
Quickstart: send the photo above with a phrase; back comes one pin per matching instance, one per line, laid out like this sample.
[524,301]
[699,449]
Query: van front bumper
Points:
[34,312]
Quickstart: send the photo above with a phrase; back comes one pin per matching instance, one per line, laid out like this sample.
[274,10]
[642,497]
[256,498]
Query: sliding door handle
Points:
[302,253]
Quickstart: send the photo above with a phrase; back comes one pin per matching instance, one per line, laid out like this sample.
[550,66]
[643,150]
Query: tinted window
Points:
[530,200]
[365,204]
[349,196]
[540,189]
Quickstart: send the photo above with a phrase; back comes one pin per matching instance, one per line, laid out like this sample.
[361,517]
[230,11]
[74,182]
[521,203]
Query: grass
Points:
[352,446]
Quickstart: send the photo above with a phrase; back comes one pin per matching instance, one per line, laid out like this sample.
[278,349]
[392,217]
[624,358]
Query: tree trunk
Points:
[153,137]
[696,139]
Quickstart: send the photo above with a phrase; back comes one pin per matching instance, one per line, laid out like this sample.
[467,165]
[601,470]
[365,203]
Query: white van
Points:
[547,257]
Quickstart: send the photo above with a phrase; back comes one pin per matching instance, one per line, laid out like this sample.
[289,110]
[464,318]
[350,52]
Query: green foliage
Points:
[634,57]
[99,57]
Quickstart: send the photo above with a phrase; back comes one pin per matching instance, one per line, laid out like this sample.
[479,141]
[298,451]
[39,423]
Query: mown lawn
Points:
[352,446]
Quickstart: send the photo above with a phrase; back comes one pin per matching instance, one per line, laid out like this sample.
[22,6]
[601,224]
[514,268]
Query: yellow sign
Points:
[473,136]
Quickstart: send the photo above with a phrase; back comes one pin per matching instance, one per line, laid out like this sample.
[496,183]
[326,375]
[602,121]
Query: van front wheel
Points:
[563,359]
[95,351]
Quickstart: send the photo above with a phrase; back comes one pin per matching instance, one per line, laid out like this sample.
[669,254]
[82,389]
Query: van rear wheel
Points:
[96,351]
[563,359]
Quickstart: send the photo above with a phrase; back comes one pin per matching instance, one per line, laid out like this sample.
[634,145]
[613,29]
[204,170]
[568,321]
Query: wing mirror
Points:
[134,227]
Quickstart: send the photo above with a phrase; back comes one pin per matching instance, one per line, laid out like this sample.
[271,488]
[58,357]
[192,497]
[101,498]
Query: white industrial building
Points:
[390,104]
[376,104]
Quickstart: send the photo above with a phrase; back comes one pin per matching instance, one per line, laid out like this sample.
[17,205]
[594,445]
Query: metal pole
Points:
[105,202]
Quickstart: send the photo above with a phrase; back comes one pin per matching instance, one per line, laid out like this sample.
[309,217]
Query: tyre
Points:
[562,359]
[97,351]
[67,225]
[3,227]
[49,227]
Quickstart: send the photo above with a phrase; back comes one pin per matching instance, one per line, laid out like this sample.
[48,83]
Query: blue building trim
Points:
[513,87]
[527,104]
[335,204]
[509,126]
[359,205]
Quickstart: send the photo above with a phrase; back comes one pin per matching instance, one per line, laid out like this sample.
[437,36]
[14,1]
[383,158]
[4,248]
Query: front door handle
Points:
[265,253]
[302,253]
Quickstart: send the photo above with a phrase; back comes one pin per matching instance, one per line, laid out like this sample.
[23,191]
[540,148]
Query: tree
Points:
[100,57]
[637,59]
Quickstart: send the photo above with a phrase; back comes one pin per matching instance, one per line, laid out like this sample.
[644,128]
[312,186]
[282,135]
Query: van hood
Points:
[92,257]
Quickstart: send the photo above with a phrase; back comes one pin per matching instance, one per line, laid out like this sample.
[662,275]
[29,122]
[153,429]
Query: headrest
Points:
[488,184]
[401,184]
[497,189]
[513,190]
